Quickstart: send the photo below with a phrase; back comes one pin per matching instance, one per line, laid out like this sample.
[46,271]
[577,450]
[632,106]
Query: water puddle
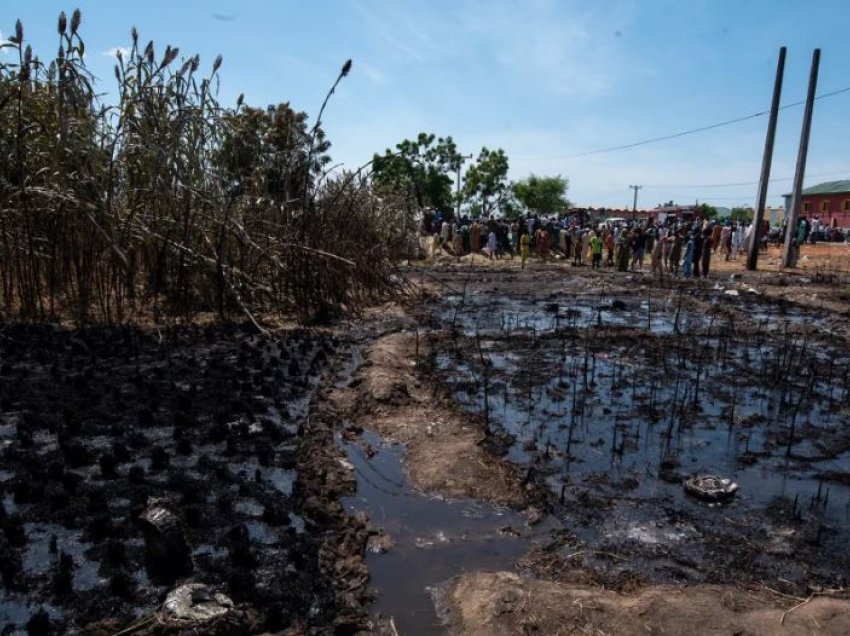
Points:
[431,539]
[39,558]
[19,611]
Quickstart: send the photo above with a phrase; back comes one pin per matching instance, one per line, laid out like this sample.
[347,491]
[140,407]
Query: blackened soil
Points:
[613,390]
[95,423]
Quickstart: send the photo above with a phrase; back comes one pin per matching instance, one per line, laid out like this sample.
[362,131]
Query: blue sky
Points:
[542,79]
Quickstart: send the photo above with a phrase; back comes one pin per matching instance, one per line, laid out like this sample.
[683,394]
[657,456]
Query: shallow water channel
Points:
[433,539]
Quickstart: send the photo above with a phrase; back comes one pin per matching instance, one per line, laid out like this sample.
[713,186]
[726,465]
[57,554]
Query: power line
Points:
[653,140]
[742,183]
[701,198]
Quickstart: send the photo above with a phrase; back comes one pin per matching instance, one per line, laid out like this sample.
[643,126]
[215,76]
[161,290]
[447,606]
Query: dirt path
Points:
[499,603]
[444,454]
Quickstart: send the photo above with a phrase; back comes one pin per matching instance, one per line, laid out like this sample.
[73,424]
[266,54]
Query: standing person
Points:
[562,241]
[675,252]
[666,246]
[655,258]
[715,237]
[435,244]
[585,246]
[707,236]
[623,252]
[524,247]
[637,244]
[696,239]
[649,243]
[457,242]
[475,237]
[444,234]
[726,241]
[576,243]
[609,247]
[505,239]
[802,231]
[737,239]
[542,244]
[492,244]
[596,250]
[687,264]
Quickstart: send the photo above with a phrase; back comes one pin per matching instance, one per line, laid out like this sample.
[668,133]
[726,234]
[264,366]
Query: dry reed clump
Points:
[170,204]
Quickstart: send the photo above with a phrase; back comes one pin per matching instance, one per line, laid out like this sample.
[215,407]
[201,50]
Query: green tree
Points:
[543,195]
[486,181]
[706,211]
[741,214]
[265,151]
[421,169]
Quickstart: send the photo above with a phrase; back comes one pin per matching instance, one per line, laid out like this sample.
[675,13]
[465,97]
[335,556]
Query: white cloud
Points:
[115,50]
[376,75]
[558,48]
[547,46]
[387,29]
[3,40]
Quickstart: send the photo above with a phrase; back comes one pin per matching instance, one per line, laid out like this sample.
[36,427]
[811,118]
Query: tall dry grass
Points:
[166,203]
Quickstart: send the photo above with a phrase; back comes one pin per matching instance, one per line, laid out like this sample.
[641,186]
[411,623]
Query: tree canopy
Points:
[421,169]
[706,211]
[265,151]
[486,181]
[543,195]
[741,214]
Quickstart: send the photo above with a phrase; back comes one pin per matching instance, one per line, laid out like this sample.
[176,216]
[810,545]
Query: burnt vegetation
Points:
[166,203]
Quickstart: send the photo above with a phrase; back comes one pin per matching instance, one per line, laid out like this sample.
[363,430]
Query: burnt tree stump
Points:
[167,555]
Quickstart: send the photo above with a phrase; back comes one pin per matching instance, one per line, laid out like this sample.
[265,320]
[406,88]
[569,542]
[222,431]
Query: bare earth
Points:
[496,603]
[443,453]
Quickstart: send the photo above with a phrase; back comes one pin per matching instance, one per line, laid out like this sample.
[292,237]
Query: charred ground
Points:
[98,423]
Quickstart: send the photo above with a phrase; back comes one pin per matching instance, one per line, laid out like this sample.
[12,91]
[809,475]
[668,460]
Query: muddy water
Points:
[613,421]
[432,539]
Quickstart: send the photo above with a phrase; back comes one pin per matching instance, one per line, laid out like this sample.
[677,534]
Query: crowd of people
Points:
[672,247]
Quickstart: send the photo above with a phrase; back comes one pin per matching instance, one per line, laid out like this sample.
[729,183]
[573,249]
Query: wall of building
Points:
[776,216]
[831,209]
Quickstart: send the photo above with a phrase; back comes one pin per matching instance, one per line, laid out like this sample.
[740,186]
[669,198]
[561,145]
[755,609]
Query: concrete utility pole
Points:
[634,203]
[791,251]
[755,235]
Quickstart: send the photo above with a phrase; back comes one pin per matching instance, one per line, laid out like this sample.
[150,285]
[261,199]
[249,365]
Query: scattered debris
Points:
[196,602]
[710,488]
[533,516]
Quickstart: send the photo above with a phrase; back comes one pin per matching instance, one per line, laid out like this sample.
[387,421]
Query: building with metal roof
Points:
[828,201]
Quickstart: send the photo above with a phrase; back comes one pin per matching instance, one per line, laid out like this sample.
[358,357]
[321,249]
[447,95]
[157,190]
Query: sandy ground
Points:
[496,603]
[444,454]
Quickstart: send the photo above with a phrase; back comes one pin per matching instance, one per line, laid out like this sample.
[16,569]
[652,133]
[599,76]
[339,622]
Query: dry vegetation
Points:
[169,204]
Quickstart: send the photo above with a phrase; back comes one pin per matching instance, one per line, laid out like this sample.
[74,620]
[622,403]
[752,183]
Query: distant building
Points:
[775,216]
[597,215]
[678,212]
[829,202]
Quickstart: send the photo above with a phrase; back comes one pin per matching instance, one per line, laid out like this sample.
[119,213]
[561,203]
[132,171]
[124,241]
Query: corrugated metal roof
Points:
[829,187]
